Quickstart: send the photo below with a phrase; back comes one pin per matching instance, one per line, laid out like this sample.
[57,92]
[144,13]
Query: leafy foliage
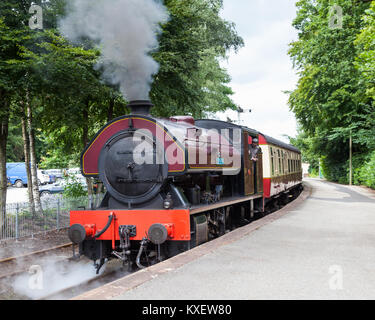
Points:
[74,188]
[333,98]
[366,43]
[365,174]
[190,79]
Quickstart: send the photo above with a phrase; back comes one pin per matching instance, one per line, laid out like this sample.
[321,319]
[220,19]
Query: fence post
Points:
[58,214]
[17,211]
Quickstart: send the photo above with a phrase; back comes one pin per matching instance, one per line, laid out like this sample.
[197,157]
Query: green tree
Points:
[15,143]
[17,79]
[307,145]
[365,43]
[12,35]
[328,101]
[190,79]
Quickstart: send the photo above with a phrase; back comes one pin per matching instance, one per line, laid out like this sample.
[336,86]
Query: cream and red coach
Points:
[282,168]
[198,182]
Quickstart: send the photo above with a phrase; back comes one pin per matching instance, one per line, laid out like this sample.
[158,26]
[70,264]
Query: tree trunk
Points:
[4,120]
[26,150]
[34,174]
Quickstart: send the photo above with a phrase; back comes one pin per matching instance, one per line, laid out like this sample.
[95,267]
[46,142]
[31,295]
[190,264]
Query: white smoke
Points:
[52,276]
[127,32]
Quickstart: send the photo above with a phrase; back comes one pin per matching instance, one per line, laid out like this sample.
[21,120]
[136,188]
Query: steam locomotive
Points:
[172,184]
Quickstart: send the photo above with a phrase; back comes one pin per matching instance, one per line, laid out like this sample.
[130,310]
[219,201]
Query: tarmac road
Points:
[323,248]
[15,195]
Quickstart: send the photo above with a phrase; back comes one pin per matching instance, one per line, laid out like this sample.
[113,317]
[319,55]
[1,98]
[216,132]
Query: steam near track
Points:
[52,276]
[41,273]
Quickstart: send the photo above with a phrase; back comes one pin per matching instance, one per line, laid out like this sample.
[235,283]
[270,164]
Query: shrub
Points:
[335,171]
[74,188]
[365,175]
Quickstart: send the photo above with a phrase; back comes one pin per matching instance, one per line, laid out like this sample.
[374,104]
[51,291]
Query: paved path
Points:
[15,195]
[322,249]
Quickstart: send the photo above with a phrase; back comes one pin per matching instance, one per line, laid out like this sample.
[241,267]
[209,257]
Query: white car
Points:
[58,173]
[43,177]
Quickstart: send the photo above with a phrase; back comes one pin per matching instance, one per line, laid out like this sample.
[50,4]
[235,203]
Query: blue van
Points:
[16,173]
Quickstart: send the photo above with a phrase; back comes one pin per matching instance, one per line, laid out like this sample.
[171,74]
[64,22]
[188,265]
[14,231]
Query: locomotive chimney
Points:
[141,107]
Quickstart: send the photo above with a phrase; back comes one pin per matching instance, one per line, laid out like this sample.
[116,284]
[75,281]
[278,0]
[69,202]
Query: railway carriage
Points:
[173,184]
[282,168]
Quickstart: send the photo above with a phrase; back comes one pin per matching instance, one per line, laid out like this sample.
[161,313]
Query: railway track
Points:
[13,268]
[39,252]
[18,267]
[18,263]
[69,292]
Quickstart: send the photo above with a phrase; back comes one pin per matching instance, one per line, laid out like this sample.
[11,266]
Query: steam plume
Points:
[126,31]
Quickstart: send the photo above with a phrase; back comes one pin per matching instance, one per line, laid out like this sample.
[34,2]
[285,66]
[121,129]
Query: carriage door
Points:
[248,167]
[259,173]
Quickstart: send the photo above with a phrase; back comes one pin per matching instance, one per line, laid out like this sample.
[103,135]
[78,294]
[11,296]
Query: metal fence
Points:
[20,222]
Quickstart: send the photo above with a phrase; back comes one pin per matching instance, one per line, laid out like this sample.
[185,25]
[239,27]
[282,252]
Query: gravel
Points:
[11,248]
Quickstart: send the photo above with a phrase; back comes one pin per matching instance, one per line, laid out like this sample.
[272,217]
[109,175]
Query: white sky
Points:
[262,70]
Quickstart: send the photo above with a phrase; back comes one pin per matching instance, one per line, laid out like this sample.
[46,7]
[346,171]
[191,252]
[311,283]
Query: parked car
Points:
[44,178]
[59,186]
[16,173]
[58,173]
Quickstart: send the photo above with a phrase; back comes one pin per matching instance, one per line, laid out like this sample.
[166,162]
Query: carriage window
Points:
[279,158]
[285,162]
[273,168]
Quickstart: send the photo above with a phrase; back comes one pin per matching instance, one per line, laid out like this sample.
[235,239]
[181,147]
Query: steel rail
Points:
[36,253]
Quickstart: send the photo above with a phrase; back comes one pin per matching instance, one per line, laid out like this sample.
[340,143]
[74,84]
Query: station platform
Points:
[320,246]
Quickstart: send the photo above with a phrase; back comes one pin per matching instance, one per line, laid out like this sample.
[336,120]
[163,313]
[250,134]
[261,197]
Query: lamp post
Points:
[350,151]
